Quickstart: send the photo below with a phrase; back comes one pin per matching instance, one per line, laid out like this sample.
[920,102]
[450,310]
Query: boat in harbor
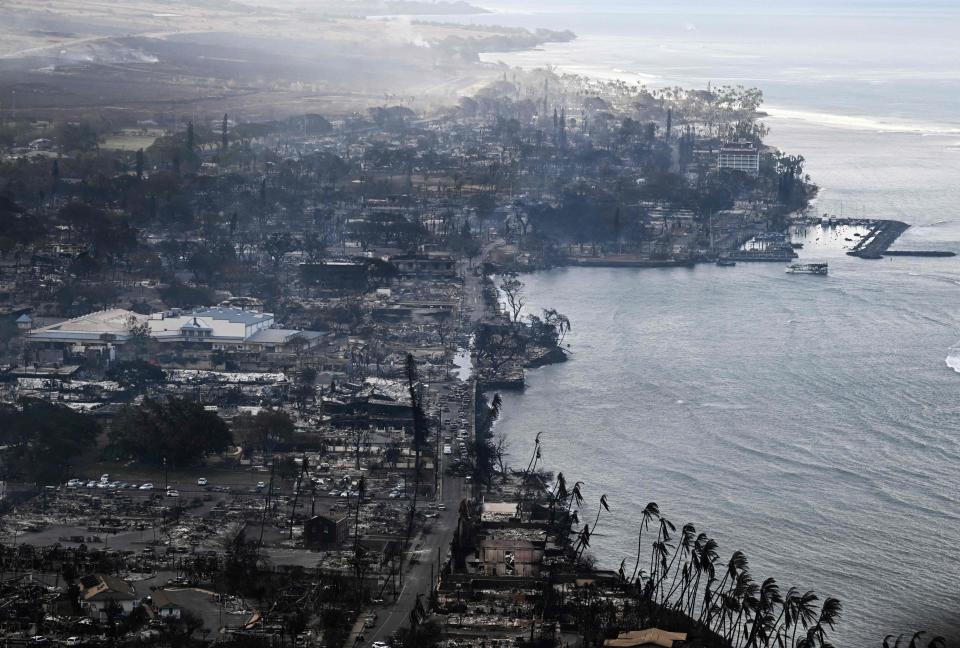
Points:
[725,262]
[807,268]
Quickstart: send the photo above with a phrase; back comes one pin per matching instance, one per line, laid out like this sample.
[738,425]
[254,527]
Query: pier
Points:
[768,256]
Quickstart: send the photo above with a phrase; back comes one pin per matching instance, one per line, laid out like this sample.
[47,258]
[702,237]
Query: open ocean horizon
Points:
[810,422]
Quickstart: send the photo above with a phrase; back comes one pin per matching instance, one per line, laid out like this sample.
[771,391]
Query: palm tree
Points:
[686,542]
[799,611]
[603,505]
[745,593]
[829,613]
[559,494]
[704,557]
[576,496]
[663,537]
[649,512]
[736,565]
[763,619]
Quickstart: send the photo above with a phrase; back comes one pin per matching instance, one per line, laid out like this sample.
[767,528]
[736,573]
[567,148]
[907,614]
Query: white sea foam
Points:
[863,122]
[953,359]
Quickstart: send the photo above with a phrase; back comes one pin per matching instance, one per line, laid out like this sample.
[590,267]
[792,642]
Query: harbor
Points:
[882,234]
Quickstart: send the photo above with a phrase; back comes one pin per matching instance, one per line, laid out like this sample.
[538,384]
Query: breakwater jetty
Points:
[920,253]
[882,234]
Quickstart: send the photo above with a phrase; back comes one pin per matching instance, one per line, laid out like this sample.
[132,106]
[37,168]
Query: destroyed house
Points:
[438,266]
[323,531]
[335,275]
[101,593]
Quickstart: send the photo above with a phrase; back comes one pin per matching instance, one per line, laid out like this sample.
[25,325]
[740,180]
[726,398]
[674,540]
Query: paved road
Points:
[431,553]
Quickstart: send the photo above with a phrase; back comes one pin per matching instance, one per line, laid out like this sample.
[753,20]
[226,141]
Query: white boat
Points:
[807,268]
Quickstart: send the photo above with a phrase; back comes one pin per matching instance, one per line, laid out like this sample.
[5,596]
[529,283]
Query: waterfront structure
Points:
[739,156]
[216,328]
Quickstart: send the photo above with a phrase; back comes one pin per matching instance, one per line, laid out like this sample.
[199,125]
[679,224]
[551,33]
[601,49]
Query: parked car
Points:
[261,485]
[173,493]
[202,481]
[147,486]
[72,641]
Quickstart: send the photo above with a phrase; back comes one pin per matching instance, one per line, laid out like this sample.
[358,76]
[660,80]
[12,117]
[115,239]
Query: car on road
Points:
[261,485]
[202,481]
[173,493]
[39,640]
[72,641]
[147,486]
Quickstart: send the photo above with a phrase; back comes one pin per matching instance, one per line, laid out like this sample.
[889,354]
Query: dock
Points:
[763,256]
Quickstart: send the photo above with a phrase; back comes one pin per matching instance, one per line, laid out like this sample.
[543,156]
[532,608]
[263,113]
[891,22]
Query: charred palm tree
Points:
[419,436]
[603,505]
[557,495]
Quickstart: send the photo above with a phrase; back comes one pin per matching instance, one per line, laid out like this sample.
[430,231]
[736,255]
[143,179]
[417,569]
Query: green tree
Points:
[136,374]
[178,430]
[43,439]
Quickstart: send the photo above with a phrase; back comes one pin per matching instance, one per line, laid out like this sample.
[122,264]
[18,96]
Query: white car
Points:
[147,486]
[202,481]
[261,485]
[173,493]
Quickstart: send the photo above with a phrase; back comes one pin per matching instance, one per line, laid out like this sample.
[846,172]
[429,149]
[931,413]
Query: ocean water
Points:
[812,422]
